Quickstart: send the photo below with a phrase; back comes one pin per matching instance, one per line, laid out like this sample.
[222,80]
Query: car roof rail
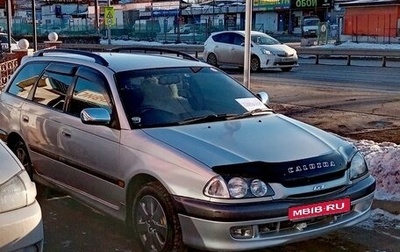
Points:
[97,58]
[146,49]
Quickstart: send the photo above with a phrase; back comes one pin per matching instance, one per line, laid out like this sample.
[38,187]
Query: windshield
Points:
[176,96]
[264,39]
[311,22]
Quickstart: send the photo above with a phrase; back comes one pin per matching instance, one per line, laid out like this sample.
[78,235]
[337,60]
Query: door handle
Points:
[25,118]
[66,134]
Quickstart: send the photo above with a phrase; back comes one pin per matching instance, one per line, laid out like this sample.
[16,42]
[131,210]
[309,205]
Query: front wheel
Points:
[155,221]
[254,64]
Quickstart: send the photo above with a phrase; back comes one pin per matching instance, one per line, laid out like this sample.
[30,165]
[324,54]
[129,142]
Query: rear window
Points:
[26,78]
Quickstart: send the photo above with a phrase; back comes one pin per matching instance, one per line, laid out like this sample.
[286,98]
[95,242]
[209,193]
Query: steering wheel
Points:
[145,109]
[152,115]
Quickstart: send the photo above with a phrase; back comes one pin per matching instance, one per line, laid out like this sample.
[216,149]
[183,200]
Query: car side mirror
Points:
[264,98]
[95,116]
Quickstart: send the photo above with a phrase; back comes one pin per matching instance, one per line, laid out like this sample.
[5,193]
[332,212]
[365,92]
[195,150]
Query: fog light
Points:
[245,232]
[363,205]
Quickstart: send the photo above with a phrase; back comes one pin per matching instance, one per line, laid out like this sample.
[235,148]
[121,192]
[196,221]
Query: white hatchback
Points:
[227,48]
[21,225]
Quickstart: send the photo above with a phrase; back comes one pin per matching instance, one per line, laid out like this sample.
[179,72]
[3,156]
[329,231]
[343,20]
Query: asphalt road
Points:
[328,96]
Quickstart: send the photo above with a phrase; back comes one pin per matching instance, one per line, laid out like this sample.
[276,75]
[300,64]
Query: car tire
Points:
[286,69]
[155,221]
[254,64]
[22,154]
[212,60]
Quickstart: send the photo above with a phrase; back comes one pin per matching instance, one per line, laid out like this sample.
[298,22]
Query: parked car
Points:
[309,27]
[21,226]
[227,48]
[4,42]
[179,150]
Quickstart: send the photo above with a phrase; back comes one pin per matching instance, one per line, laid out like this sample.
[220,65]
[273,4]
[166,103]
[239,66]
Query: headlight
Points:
[358,166]
[265,51]
[17,192]
[237,187]
[216,188]
[258,188]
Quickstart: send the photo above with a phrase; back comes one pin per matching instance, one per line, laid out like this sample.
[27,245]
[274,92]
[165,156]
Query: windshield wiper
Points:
[222,117]
[259,111]
[208,118]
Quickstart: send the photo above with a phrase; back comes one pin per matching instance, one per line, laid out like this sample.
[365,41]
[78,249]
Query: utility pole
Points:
[9,27]
[96,13]
[247,43]
[34,25]
[109,26]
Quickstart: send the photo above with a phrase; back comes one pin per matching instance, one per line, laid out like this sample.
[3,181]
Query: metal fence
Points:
[7,68]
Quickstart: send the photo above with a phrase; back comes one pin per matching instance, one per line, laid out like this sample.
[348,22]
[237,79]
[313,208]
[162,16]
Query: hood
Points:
[270,139]
[9,165]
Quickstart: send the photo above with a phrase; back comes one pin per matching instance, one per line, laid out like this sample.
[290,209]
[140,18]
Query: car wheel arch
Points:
[214,57]
[133,187]
[144,185]
[15,139]
[255,57]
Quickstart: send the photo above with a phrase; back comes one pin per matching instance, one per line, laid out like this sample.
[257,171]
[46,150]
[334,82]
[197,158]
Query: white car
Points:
[21,225]
[4,42]
[227,48]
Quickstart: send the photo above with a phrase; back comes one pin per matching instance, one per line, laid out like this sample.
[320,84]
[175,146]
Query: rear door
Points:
[224,47]
[237,49]
[42,112]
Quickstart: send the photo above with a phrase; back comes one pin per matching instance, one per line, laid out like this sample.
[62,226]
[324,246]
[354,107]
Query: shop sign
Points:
[307,4]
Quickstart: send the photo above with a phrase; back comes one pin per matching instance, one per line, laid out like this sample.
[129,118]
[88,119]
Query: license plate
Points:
[319,209]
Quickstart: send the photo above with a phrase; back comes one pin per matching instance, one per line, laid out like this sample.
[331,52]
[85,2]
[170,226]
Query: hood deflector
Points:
[292,173]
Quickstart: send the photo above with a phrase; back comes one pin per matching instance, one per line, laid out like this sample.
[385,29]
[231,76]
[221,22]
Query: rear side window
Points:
[26,78]
[227,38]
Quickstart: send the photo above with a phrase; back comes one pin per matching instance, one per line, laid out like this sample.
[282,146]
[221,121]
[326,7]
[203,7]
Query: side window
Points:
[224,38]
[52,88]
[90,92]
[26,78]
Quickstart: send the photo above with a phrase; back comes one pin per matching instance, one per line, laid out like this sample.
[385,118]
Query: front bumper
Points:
[280,62]
[22,229]
[208,225]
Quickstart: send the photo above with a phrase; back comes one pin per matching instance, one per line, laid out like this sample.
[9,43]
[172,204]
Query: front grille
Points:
[291,226]
[285,63]
[313,180]
[320,193]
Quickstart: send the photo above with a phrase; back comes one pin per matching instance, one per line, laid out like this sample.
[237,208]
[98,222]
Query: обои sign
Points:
[307,4]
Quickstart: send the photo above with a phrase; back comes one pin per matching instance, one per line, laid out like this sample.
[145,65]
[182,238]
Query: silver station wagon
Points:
[180,151]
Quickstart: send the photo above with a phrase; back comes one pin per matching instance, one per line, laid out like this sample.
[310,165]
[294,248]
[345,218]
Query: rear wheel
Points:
[155,221]
[22,154]
[212,59]
[20,150]
[254,64]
